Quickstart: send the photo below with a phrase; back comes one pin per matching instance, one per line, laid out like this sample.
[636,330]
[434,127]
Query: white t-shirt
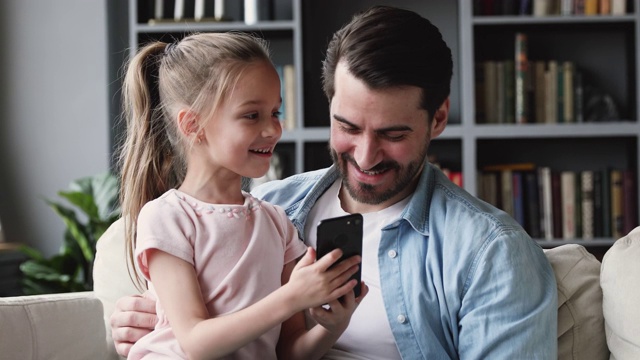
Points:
[369,334]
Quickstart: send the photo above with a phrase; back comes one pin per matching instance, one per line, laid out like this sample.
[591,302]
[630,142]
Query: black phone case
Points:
[344,232]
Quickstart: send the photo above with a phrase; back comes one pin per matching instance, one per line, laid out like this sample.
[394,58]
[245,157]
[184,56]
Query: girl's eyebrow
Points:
[342,120]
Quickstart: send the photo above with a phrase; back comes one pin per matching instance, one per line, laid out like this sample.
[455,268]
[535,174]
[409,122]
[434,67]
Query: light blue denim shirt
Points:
[460,279]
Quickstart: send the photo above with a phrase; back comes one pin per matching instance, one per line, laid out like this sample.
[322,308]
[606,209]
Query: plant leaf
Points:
[75,228]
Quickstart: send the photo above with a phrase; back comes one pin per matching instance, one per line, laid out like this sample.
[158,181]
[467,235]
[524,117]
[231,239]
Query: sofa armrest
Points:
[53,326]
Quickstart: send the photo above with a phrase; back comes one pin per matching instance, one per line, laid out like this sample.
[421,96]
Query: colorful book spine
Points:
[521,68]
[587,208]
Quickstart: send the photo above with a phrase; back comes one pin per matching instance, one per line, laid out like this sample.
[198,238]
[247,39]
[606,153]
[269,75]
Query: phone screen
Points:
[344,232]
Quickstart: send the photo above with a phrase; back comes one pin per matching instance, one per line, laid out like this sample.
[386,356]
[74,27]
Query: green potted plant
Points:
[94,206]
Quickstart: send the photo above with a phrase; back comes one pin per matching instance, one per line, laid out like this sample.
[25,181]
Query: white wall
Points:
[54,121]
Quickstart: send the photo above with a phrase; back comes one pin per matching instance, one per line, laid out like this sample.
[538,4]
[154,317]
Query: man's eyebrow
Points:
[379,131]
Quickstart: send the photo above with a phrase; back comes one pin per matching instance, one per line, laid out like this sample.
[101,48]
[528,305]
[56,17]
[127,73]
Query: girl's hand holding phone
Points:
[314,284]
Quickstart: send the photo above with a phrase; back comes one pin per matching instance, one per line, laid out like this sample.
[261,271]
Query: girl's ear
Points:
[188,122]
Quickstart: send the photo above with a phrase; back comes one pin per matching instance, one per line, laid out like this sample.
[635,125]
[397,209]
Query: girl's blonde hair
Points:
[196,73]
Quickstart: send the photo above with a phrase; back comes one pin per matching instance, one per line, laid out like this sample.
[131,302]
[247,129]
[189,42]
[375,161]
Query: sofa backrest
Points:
[52,327]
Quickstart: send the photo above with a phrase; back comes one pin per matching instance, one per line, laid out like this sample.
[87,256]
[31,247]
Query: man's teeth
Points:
[264,151]
[371,172]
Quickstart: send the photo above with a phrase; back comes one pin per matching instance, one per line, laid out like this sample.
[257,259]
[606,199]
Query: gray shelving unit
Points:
[301,39]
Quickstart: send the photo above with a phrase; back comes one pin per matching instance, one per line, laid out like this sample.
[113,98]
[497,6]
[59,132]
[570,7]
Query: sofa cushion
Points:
[580,319]
[54,326]
[620,281]
[111,279]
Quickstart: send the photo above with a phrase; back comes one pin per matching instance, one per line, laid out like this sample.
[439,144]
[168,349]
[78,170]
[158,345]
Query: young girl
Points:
[201,114]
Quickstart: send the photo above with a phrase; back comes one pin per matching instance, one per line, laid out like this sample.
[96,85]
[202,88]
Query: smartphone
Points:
[344,232]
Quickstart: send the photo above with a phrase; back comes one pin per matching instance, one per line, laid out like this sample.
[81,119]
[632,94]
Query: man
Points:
[449,276]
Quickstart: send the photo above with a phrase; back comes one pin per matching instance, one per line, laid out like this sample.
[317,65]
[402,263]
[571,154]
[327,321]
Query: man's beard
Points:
[367,193]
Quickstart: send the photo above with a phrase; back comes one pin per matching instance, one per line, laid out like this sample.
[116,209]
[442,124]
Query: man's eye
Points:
[252,116]
[277,114]
[394,136]
[350,130]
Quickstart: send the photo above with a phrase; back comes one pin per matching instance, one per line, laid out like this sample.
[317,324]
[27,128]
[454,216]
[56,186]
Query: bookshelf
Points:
[604,47]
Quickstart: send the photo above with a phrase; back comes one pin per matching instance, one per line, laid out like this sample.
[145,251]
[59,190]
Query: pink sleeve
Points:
[163,228]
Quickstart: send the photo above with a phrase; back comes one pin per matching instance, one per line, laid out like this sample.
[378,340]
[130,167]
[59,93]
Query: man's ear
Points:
[440,118]
[188,123]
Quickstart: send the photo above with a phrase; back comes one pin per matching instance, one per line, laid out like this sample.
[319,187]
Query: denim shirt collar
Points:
[416,213]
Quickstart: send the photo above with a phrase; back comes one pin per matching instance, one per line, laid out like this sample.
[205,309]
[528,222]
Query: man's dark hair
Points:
[387,47]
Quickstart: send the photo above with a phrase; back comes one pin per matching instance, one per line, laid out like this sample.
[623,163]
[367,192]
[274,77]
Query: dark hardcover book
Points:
[532,204]
[578,96]
[521,68]
[598,230]
[525,7]
[509,92]
[630,206]
[617,204]
[479,92]
[578,205]
[508,7]
[518,197]
[487,7]
[189,9]
[556,204]
[606,203]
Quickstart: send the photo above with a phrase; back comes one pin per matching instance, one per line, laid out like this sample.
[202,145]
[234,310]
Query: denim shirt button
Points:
[402,319]
[392,254]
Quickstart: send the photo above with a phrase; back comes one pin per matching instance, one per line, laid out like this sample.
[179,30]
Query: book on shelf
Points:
[587,206]
[630,210]
[568,91]
[591,7]
[542,7]
[282,110]
[551,92]
[500,92]
[520,166]
[518,197]
[566,7]
[532,204]
[521,86]
[560,93]
[289,84]
[598,215]
[546,205]
[617,205]
[548,7]
[480,92]
[455,177]
[618,7]
[606,202]
[556,204]
[506,186]
[578,96]
[539,77]
[568,203]
[490,91]
[604,7]
[508,83]
[488,190]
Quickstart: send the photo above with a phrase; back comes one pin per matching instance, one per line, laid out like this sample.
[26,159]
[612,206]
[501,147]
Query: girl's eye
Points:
[277,114]
[252,116]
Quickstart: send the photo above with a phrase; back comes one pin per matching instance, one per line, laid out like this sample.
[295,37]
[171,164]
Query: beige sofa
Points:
[594,299]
